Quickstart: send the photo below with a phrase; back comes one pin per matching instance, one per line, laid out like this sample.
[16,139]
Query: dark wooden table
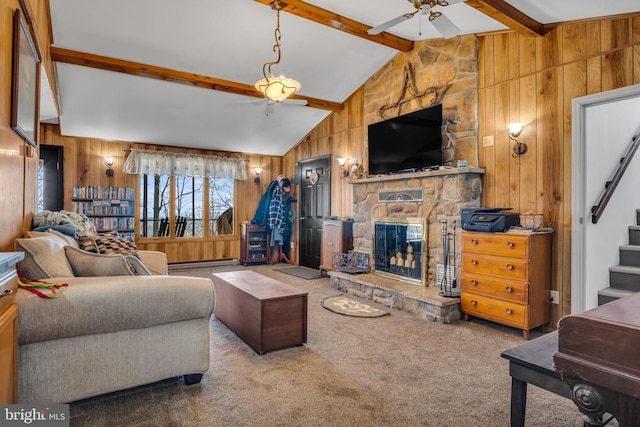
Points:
[266,313]
[532,363]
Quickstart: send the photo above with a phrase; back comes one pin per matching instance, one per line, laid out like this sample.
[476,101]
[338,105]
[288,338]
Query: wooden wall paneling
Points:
[636,64]
[550,175]
[616,33]
[488,62]
[502,60]
[514,162]
[528,54]
[575,78]
[514,56]
[487,154]
[502,146]
[482,48]
[549,50]
[593,38]
[574,42]
[617,69]
[528,162]
[594,75]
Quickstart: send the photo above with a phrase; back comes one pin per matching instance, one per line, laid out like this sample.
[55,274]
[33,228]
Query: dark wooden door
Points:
[50,185]
[314,205]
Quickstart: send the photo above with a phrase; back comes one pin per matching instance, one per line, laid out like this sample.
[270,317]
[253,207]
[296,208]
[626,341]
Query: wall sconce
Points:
[108,161]
[515,129]
[352,169]
[342,161]
[257,171]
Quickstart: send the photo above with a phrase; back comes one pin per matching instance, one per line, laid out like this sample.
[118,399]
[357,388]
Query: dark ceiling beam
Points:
[339,22]
[503,12]
[137,69]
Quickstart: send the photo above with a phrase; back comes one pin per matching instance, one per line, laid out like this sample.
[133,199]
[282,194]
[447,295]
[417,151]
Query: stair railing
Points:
[610,186]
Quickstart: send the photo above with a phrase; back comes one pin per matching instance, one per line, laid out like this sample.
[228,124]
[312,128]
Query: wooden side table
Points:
[9,327]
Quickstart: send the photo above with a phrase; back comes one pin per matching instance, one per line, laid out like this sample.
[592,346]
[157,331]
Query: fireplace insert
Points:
[399,245]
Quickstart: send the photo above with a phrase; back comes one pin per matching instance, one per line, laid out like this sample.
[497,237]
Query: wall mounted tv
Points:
[408,143]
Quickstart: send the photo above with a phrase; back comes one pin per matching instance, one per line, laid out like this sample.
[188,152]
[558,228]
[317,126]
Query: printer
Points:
[491,220]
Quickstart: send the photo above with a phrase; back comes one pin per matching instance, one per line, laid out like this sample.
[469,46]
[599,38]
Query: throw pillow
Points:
[87,264]
[116,245]
[67,239]
[137,266]
[44,257]
[89,243]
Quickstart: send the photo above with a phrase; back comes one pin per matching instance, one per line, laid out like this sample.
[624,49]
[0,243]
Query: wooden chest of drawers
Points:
[505,278]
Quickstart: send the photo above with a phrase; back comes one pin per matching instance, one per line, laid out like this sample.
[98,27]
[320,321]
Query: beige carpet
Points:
[388,371]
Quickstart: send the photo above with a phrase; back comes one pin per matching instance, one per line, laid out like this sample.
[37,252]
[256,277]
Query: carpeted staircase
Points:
[624,279]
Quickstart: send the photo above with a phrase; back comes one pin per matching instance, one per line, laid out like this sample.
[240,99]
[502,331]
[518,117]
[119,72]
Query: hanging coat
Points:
[262,212]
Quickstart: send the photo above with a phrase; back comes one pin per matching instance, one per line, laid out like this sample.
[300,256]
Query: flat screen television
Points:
[408,143]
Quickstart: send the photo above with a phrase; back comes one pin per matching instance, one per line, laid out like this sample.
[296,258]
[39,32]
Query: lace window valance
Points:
[192,165]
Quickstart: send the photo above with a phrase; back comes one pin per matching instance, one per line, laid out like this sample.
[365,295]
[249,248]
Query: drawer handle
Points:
[474,283]
[510,244]
[509,267]
[474,262]
[473,302]
[6,293]
[508,310]
[474,242]
[509,289]
[329,244]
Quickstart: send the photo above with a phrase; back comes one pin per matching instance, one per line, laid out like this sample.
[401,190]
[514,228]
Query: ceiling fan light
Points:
[277,89]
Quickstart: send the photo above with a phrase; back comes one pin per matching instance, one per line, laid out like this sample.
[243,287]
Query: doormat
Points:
[301,272]
[348,307]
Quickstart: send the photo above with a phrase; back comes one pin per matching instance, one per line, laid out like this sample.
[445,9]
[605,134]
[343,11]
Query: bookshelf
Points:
[109,208]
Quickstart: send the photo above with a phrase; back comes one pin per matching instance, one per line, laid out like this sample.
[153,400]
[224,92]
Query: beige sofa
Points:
[110,333]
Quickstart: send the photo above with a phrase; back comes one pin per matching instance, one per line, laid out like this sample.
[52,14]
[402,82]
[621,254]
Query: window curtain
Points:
[192,165]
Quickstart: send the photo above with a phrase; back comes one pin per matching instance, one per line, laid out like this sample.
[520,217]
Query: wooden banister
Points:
[610,186]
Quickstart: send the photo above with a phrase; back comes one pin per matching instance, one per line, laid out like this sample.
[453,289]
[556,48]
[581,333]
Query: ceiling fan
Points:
[425,7]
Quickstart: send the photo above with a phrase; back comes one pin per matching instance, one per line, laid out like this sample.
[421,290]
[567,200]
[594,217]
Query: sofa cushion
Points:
[99,305]
[116,245]
[43,257]
[88,264]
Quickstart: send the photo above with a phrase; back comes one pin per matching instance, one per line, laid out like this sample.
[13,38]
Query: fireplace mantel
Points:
[418,175]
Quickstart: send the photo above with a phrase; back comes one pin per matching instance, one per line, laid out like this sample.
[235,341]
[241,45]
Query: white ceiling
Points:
[231,40]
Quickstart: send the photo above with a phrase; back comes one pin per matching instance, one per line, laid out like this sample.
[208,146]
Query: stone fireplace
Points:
[399,206]
[421,200]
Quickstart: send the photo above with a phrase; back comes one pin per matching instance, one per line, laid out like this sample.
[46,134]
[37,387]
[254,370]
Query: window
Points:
[184,197]
[220,206]
[189,207]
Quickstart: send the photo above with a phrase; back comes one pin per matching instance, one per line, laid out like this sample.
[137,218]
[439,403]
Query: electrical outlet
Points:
[487,141]
[554,296]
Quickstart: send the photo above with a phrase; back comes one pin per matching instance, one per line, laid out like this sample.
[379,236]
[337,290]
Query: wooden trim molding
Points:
[341,23]
[503,12]
[144,70]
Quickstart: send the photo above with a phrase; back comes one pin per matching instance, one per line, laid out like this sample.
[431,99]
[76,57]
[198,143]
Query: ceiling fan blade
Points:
[445,26]
[395,21]
[295,101]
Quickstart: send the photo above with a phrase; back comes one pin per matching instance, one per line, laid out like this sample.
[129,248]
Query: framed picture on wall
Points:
[25,89]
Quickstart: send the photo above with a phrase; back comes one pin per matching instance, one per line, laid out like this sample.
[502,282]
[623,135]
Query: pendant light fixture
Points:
[276,89]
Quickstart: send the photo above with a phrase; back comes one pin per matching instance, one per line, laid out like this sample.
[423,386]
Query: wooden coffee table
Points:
[265,313]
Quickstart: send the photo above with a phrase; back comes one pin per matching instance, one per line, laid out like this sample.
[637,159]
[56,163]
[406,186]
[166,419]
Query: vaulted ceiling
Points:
[182,73]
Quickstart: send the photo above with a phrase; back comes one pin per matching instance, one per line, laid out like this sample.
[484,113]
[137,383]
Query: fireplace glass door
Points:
[398,248]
